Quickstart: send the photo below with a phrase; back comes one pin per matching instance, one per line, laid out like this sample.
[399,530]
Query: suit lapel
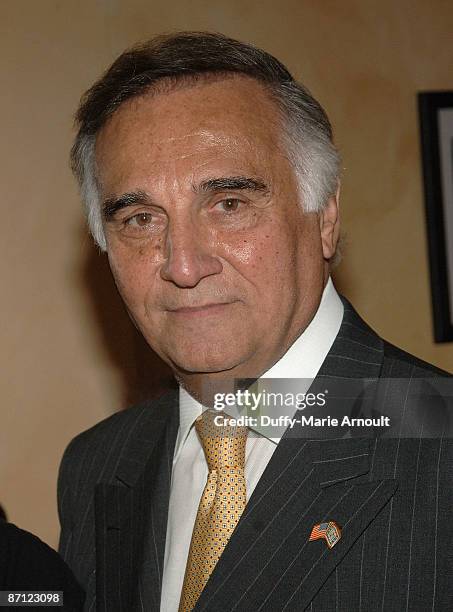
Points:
[131,513]
[269,562]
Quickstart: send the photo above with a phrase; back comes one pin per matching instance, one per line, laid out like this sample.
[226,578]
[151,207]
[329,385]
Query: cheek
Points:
[266,260]
[130,278]
[243,252]
[286,259]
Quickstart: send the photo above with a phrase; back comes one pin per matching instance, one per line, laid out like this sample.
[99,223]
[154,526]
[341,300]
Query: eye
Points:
[140,219]
[230,205]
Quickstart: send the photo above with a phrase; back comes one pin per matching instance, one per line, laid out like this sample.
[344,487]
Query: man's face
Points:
[218,266]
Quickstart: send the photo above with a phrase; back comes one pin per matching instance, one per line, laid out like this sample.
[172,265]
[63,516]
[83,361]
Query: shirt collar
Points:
[303,359]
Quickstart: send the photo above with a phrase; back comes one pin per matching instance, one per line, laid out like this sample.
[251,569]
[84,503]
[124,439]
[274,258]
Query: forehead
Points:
[232,117]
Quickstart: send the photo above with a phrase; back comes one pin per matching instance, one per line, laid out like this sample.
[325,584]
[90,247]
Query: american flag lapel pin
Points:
[330,531]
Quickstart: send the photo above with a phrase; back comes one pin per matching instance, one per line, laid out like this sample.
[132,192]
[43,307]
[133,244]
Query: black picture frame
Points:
[436,132]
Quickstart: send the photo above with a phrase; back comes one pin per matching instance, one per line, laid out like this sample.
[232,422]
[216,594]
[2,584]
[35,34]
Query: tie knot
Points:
[223,443]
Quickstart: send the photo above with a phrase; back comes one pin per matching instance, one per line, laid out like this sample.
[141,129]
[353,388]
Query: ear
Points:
[329,225]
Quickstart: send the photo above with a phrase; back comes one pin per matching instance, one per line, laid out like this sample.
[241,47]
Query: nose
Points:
[188,255]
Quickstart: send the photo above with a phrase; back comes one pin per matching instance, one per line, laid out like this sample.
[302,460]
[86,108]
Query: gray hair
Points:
[307,133]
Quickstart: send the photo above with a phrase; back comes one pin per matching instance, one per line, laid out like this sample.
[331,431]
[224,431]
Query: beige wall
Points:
[70,356]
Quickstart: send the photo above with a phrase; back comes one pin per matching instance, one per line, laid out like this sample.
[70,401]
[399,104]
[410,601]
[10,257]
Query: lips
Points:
[203,308]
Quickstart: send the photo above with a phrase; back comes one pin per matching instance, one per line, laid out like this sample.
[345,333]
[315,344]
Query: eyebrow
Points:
[111,206]
[232,182]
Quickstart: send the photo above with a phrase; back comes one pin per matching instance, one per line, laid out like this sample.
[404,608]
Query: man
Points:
[211,181]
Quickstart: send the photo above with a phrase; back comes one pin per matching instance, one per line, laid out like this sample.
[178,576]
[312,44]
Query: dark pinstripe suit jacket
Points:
[393,499]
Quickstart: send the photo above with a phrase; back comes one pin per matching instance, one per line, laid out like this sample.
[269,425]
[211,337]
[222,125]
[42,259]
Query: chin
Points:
[203,366]
[205,359]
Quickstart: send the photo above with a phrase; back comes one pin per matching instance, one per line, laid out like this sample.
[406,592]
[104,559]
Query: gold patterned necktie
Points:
[221,504]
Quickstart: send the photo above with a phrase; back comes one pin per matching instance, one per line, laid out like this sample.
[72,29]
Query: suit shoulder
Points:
[109,435]
[400,361]
[117,423]
[90,448]
[397,362]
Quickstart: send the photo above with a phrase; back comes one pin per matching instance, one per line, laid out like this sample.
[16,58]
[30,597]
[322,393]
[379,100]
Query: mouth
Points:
[204,309]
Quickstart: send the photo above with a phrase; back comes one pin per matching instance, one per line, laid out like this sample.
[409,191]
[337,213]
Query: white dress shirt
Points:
[302,360]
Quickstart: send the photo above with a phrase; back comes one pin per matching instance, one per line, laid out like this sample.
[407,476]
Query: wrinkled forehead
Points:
[233,114]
